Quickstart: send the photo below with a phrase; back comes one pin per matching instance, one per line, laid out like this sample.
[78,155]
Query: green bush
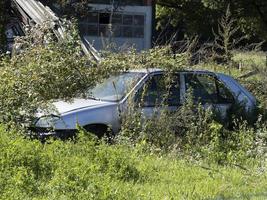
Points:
[59,169]
[89,169]
[41,74]
[192,132]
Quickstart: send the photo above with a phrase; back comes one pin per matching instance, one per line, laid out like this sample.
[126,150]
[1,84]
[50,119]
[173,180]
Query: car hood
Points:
[77,104]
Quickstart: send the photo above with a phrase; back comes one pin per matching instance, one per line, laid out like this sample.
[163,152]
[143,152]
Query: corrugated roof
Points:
[40,14]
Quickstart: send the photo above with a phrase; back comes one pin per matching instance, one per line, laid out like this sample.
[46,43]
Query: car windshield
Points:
[115,87]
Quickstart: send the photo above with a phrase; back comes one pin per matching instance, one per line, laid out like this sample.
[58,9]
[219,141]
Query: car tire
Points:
[99,130]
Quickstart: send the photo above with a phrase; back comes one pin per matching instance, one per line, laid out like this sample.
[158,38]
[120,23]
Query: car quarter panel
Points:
[241,94]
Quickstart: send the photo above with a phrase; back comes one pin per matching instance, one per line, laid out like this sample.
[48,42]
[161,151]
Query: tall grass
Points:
[86,169]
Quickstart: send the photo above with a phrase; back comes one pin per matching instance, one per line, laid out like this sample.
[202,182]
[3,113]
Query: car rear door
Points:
[208,90]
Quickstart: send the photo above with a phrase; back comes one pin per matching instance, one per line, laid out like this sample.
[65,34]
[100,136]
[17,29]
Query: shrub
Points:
[237,147]
[80,169]
[31,80]
[191,131]
[165,130]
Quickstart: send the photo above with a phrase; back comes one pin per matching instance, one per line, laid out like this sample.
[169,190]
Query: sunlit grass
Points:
[83,170]
[178,179]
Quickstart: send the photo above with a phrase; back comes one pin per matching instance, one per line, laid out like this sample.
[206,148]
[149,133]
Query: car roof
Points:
[154,70]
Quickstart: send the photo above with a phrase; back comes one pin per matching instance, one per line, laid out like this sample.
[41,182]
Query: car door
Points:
[209,91]
[160,91]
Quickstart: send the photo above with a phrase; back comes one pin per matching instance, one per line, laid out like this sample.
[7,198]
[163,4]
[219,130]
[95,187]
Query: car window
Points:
[115,87]
[203,87]
[224,95]
[207,89]
[160,90]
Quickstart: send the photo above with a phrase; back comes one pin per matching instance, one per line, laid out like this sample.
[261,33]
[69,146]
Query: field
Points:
[212,167]
[85,170]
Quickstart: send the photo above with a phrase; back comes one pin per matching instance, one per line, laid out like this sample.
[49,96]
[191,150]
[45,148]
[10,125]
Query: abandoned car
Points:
[102,111]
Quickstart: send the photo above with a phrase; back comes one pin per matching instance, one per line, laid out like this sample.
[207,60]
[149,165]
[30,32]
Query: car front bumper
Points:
[44,133]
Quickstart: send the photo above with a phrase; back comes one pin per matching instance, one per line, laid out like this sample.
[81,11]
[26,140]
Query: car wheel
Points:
[99,130]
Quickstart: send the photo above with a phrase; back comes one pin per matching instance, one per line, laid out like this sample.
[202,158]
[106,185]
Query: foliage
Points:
[165,130]
[44,72]
[86,170]
[69,170]
[70,8]
[161,57]
[178,15]
[226,40]
[191,131]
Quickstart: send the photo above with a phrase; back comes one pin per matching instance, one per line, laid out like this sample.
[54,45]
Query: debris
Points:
[33,12]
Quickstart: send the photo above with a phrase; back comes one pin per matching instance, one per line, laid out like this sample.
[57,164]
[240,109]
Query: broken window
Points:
[104,18]
[123,25]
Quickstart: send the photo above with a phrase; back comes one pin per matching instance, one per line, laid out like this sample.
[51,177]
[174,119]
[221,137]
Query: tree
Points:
[227,39]
[201,16]
[46,70]
[69,8]
[251,15]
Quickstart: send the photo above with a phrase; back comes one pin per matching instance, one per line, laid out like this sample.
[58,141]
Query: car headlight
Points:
[48,121]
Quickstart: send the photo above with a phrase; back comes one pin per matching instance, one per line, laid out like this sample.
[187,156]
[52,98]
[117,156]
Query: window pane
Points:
[117,19]
[203,87]
[127,31]
[127,19]
[224,96]
[104,18]
[116,31]
[157,92]
[92,18]
[92,30]
[83,28]
[173,91]
[116,86]
[139,20]
[138,32]
[103,30]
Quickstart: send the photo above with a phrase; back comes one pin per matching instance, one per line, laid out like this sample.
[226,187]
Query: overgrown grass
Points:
[185,155]
[86,169]
[243,62]
[250,59]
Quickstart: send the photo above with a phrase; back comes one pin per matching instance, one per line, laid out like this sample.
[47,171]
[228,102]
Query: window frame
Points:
[217,81]
[145,81]
[84,25]
[228,91]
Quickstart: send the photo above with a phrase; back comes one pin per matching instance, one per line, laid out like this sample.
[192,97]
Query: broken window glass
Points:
[104,18]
